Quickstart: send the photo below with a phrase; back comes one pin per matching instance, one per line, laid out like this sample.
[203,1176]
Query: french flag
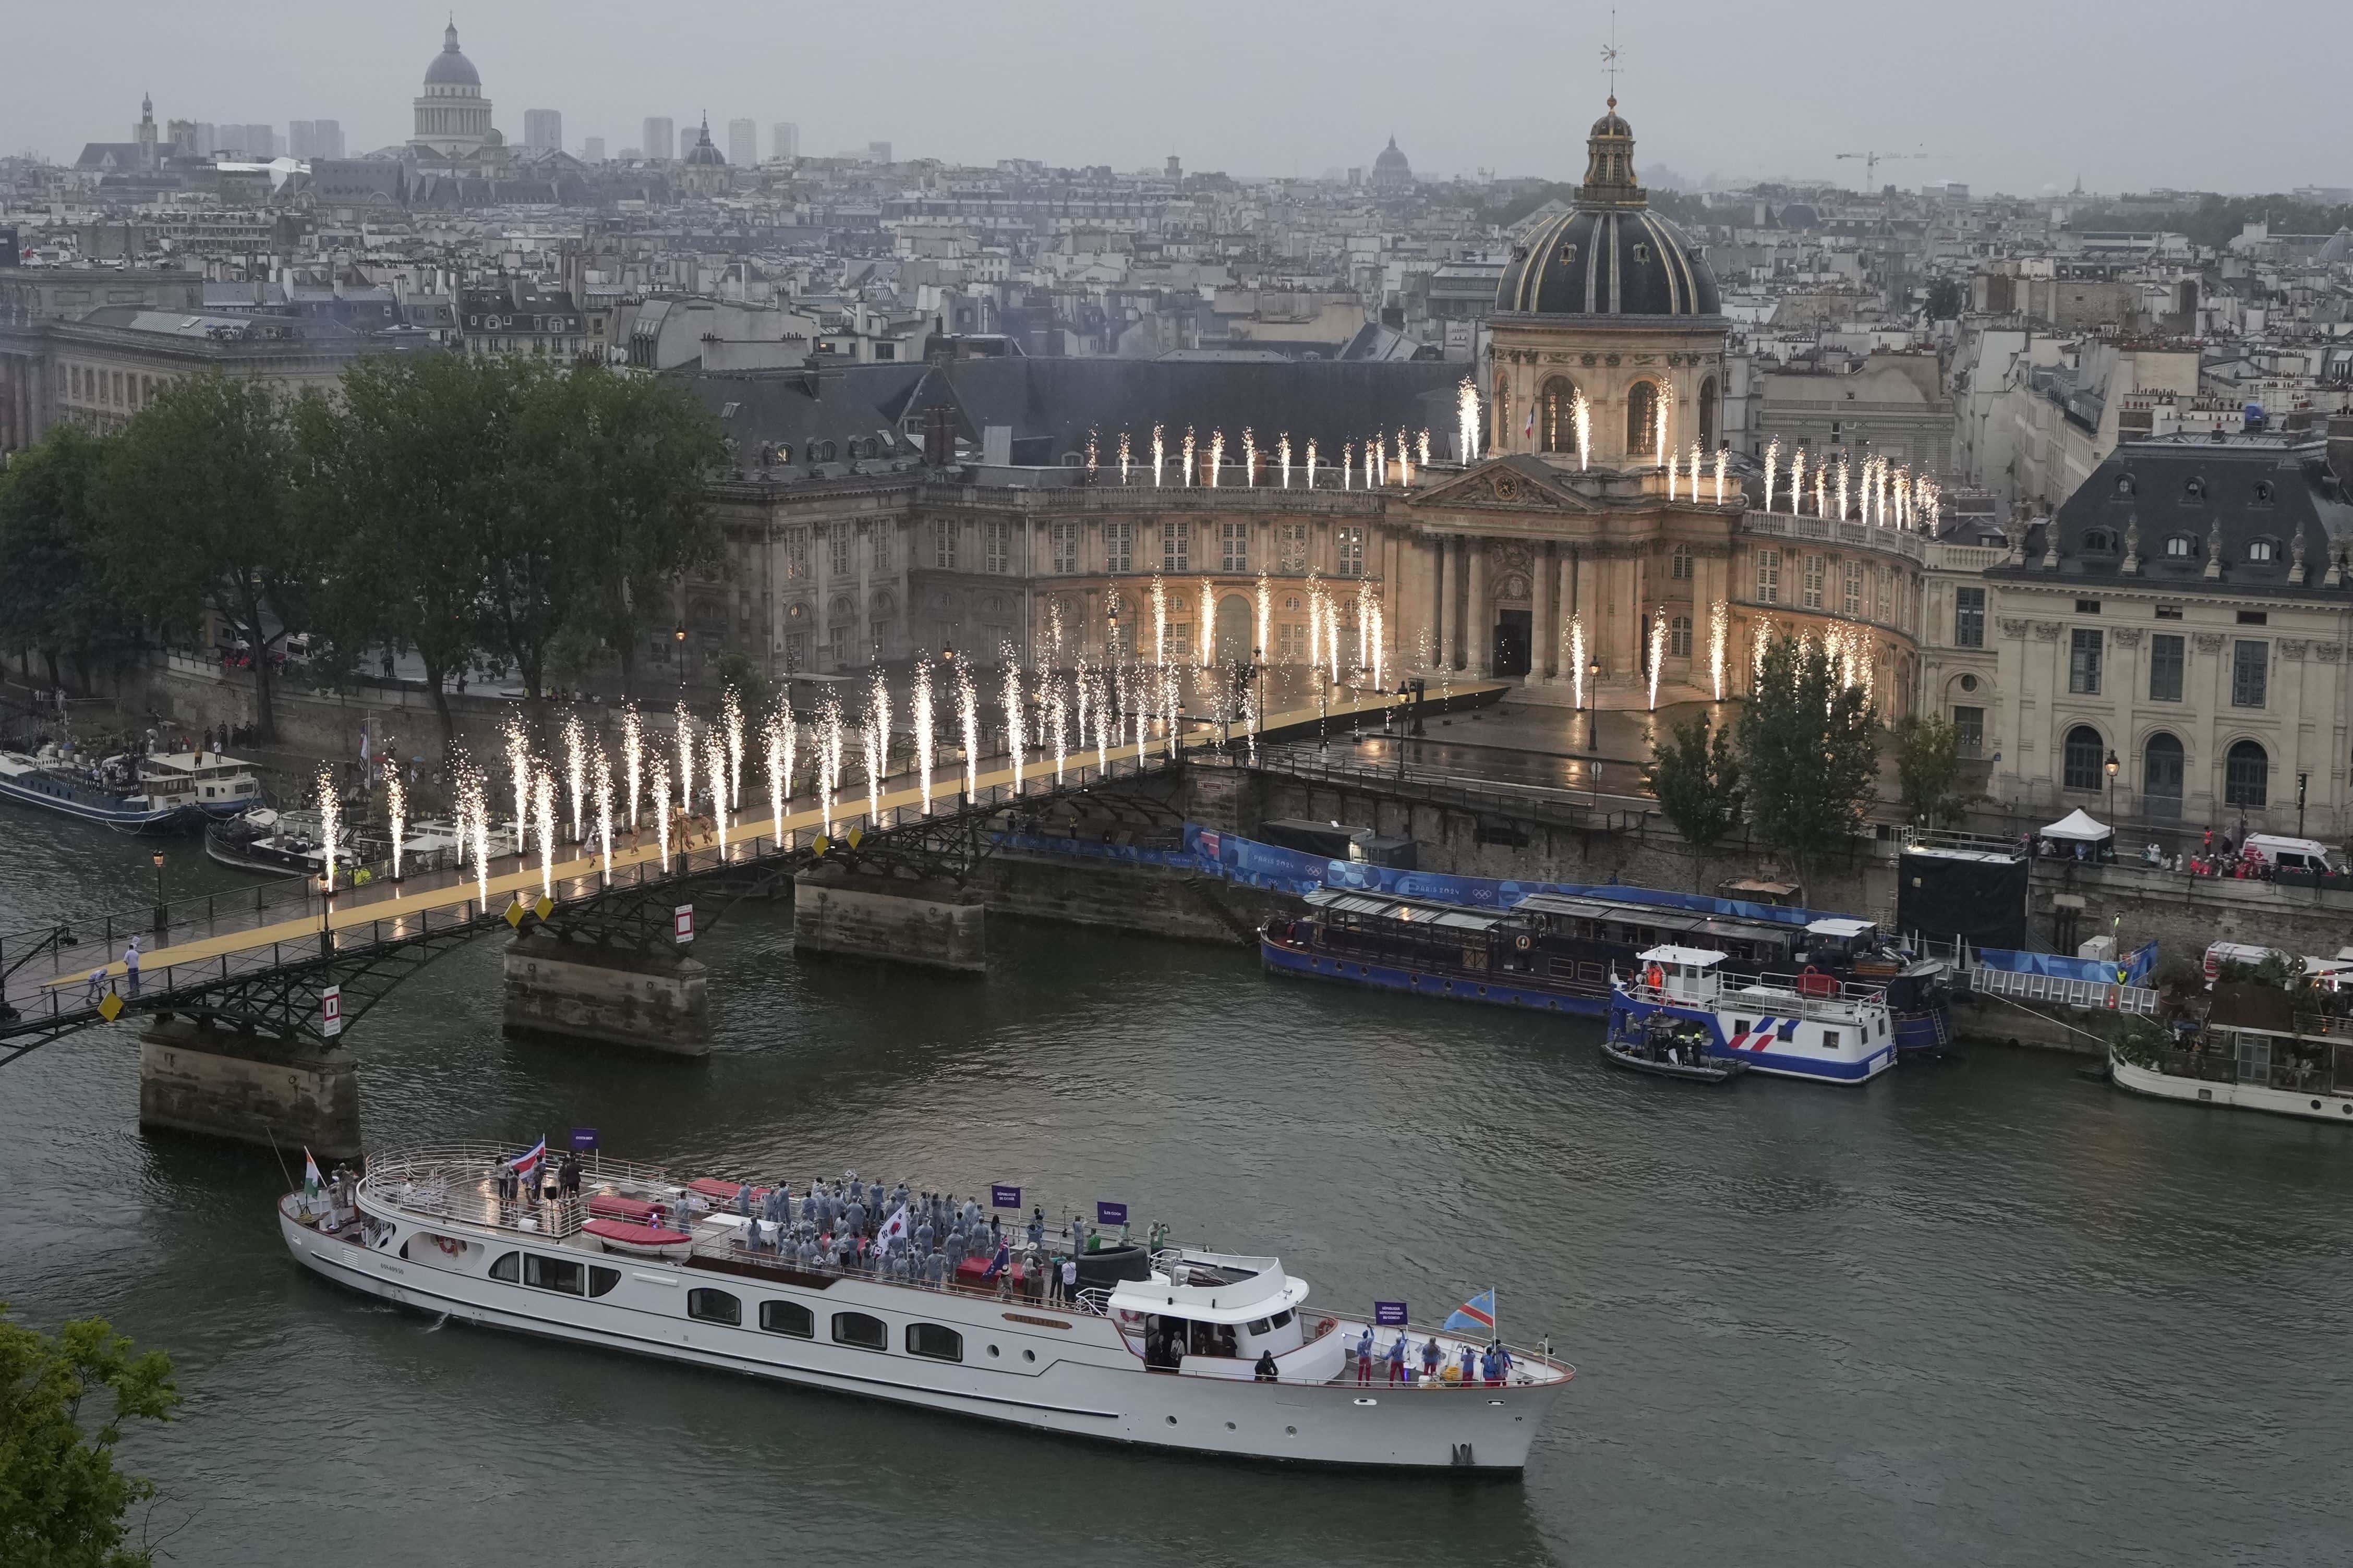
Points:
[524,1164]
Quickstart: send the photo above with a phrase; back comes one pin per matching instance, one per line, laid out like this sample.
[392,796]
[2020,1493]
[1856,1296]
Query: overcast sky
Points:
[2016,95]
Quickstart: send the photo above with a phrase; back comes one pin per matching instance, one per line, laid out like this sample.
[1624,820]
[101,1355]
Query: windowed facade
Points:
[1556,415]
[1641,419]
[1349,546]
[1768,577]
[1064,541]
[1679,637]
[1852,601]
[1969,617]
[943,543]
[1679,563]
[2083,759]
[996,548]
[839,541]
[1177,546]
[797,554]
[1968,730]
[2166,660]
[1119,546]
[882,548]
[868,1334]
[1233,547]
[2083,661]
[787,1318]
[1290,545]
[1813,583]
[2250,670]
[2247,775]
[715,1307]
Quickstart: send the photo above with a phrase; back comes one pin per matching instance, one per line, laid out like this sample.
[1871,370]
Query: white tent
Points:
[2078,827]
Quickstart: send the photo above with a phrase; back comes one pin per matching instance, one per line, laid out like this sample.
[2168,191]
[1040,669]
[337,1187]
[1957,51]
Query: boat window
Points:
[1740,1025]
[714,1307]
[509,1269]
[1829,1039]
[1259,1326]
[1282,1318]
[602,1280]
[857,1329]
[553,1273]
[788,1318]
[933,1341]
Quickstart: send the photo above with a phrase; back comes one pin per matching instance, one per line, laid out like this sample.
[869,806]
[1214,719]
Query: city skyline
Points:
[1968,108]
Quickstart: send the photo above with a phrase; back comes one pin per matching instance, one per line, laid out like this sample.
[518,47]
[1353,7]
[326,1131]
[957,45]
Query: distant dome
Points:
[1390,170]
[1799,215]
[702,151]
[450,68]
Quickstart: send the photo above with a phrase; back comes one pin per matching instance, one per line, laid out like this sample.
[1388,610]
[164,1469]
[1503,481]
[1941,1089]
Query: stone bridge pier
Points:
[624,996]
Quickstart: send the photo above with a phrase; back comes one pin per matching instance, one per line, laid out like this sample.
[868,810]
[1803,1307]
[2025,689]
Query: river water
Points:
[1977,1312]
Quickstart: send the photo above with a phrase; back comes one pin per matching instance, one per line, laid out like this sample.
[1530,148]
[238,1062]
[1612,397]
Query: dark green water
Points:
[1984,1313]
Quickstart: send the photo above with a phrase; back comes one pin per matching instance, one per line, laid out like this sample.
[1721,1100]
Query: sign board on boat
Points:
[683,924]
[1389,1314]
[584,1138]
[331,1011]
[1110,1213]
[1003,1197]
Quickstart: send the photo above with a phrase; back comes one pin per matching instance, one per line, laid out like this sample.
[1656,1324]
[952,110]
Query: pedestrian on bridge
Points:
[131,963]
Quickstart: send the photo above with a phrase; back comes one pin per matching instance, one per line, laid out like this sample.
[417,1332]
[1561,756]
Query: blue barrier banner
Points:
[2136,964]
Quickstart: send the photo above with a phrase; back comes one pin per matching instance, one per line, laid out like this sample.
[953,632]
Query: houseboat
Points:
[117,792]
[1187,1348]
[1557,952]
[1809,1026]
[2256,1052]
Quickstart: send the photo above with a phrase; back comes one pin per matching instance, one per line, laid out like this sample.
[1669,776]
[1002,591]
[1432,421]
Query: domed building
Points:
[703,170]
[1612,301]
[453,118]
[1392,175]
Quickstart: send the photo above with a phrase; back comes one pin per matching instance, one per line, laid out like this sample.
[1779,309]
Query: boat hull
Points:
[1857,1065]
[2307,1107]
[1048,1377]
[1524,992]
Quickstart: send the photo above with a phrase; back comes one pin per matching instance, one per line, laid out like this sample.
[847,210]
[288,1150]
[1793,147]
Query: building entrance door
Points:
[2160,788]
[1514,637]
[1233,629]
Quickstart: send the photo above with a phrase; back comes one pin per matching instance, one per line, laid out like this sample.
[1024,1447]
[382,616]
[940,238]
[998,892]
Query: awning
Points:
[2078,827]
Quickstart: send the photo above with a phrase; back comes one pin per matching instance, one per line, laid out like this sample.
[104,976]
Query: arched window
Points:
[1707,414]
[2161,775]
[2083,767]
[2180,546]
[2247,775]
[2263,549]
[1556,415]
[1641,417]
[2095,539]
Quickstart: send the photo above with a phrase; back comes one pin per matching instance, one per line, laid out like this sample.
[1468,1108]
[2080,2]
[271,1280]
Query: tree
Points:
[1927,767]
[199,515]
[404,474]
[1697,777]
[531,578]
[62,1500]
[54,598]
[1809,743]
[1944,300]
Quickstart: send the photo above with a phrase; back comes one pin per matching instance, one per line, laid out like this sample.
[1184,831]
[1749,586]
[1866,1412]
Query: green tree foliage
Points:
[62,1500]
[1927,767]
[1809,746]
[200,515]
[54,597]
[1946,298]
[1696,776]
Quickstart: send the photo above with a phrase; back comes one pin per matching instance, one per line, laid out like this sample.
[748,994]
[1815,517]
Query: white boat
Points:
[1814,1026]
[436,1229]
[219,785]
[117,792]
[2254,1054]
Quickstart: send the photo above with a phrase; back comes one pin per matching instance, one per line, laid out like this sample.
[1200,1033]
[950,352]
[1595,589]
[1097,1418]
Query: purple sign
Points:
[1389,1314]
[583,1140]
[1005,1197]
[1109,1214]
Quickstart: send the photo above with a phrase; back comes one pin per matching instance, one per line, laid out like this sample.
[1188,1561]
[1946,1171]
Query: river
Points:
[1983,1312]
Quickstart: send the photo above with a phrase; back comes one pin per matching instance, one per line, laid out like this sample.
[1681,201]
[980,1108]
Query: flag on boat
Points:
[894,1228]
[1477,1313]
[1000,1263]
[310,1182]
[524,1163]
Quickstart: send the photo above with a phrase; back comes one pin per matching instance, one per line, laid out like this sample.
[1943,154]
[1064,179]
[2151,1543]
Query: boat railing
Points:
[460,1183]
[1784,1002]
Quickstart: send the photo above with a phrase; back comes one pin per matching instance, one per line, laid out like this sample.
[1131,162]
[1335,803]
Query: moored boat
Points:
[1178,1347]
[1666,1046]
[1810,1026]
[2254,1052]
[114,792]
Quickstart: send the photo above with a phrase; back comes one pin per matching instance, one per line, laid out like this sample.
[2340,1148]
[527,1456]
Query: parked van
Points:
[2291,853]
[2223,953]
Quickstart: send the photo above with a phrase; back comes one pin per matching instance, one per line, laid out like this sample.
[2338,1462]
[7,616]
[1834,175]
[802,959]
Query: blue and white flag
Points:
[1477,1314]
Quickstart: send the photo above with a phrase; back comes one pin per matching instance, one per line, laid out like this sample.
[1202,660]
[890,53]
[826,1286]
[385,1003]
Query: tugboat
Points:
[1666,1046]
[1814,1028]
[1170,1347]
[117,792]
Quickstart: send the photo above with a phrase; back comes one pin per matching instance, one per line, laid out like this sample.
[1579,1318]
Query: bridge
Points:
[262,965]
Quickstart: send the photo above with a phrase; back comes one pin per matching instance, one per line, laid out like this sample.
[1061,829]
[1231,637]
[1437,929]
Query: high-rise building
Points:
[878,151]
[543,130]
[208,138]
[593,149]
[257,143]
[783,140]
[314,139]
[742,143]
[660,138]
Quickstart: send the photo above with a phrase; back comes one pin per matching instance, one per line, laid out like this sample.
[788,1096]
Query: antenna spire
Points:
[1610,58]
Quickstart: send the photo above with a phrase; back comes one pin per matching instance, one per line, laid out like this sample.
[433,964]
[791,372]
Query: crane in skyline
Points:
[1871,161]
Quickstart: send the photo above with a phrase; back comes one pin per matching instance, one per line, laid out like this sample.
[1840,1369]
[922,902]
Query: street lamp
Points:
[2111,765]
[1258,719]
[326,905]
[678,647]
[164,920]
[1592,703]
[2301,781]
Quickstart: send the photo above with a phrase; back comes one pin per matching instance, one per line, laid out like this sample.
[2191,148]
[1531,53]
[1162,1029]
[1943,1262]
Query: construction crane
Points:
[1871,161]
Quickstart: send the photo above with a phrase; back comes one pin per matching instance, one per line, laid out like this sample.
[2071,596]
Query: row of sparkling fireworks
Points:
[1874,491]
[1383,457]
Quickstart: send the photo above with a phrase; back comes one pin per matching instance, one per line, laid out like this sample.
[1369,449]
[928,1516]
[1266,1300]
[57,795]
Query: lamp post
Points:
[326,905]
[2302,780]
[1257,719]
[678,648]
[164,920]
[1592,705]
[2111,765]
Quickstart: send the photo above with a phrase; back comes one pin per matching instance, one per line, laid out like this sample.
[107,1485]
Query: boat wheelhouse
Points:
[219,785]
[1559,952]
[1806,1027]
[2254,1053]
[1181,1347]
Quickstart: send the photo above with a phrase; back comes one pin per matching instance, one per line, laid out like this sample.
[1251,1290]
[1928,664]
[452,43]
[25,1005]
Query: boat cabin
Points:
[1210,1314]
[222,785]
[1688,976]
